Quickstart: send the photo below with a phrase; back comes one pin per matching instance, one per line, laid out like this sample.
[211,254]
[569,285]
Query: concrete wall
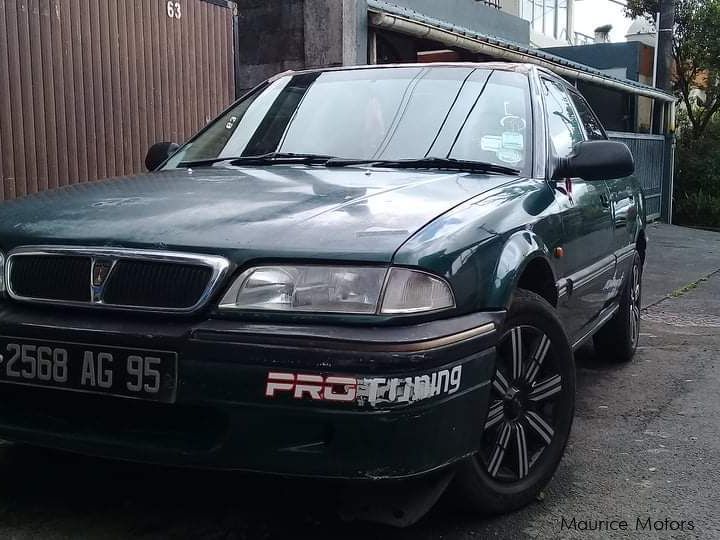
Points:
[276,36]
[511,7]
[335,32]
[271,39]
[543,41]
[605,56]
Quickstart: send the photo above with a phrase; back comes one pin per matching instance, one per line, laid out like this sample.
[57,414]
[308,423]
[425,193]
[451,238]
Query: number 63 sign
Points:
[173,9]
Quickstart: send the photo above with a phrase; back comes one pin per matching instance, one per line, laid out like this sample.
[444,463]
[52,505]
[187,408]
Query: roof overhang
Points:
[390,17]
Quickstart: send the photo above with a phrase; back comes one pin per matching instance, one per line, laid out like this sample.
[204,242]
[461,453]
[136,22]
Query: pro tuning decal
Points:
[365,391]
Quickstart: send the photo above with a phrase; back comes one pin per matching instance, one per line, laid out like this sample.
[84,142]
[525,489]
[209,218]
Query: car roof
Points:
[504,66]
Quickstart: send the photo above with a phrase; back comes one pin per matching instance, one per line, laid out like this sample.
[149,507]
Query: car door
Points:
[623,196]
[587,257]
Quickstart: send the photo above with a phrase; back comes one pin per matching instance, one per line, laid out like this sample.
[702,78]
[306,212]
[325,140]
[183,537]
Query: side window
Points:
[593,127]
[563,124]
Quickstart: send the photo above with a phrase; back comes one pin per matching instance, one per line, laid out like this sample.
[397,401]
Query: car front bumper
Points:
[418,404]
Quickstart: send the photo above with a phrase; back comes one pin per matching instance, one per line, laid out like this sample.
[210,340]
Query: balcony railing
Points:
[583,39]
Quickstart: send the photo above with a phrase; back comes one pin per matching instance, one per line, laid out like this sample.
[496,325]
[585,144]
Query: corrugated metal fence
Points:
[86,86]
[653,167]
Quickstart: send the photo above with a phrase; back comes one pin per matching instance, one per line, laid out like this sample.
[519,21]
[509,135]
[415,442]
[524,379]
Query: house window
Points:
[547,17]
[562,14]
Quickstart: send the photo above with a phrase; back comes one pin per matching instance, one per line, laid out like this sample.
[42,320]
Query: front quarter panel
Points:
[482,246]
[520,249]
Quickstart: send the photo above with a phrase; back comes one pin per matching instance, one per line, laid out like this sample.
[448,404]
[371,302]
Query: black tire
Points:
[528,406]
[617,341]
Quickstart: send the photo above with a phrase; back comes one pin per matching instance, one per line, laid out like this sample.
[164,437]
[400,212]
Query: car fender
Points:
[518,252]
[482,246]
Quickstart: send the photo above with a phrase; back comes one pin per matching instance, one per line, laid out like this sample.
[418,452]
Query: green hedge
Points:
[697,209]
[697,178]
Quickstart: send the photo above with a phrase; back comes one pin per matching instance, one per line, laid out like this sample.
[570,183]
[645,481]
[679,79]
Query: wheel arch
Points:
[525,262]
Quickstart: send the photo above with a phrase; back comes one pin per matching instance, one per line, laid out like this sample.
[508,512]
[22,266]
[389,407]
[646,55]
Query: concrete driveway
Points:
[677,256]
[645,445]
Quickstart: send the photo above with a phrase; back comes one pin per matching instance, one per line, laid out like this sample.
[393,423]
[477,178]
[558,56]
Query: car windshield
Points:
[378,114]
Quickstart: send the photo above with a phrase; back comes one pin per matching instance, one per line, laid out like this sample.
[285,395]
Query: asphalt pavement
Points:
[644,450]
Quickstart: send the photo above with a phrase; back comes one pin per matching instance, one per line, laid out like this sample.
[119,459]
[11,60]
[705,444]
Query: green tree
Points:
[696,51]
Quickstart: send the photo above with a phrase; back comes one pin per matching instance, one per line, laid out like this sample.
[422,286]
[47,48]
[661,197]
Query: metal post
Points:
[372,47]
[236,51]
[657,47]
[667,186]
[664,56]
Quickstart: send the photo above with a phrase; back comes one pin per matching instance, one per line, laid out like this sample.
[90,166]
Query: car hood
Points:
[245,213]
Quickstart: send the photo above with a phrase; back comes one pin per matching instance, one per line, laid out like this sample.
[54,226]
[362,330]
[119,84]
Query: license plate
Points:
[97,369]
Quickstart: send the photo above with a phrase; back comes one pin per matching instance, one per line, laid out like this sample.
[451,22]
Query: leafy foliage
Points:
[697,188]
[698,209]
[696,51]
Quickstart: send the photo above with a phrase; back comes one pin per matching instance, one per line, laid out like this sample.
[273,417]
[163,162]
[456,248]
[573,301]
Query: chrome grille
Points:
[114,278]
[145,283]
[54,277]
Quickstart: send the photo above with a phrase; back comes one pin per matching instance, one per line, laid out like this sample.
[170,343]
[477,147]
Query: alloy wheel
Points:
[523,411]
[634,299]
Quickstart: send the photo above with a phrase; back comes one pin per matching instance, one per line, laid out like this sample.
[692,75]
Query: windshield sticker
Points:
[490,143]
[509,156]
[513,122]
[513,141]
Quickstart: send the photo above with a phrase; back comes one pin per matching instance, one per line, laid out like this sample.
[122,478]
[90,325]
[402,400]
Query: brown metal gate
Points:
[87,85]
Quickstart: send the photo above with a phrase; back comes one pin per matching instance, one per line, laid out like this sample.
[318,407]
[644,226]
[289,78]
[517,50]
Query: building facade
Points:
[550,21]
[631,60]
[87,85]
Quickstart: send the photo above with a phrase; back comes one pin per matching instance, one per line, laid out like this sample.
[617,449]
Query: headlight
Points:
[410,291]
[337,289]
[307,288]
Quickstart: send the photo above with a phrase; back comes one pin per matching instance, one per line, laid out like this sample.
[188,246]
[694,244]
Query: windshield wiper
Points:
[280,158]
[273,158]
[427,163]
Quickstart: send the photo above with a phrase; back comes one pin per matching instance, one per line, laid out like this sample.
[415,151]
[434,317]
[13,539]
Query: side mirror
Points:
[596,160]
[158,154]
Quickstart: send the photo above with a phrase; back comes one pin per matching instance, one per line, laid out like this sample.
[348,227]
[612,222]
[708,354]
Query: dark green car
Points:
[357,273]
